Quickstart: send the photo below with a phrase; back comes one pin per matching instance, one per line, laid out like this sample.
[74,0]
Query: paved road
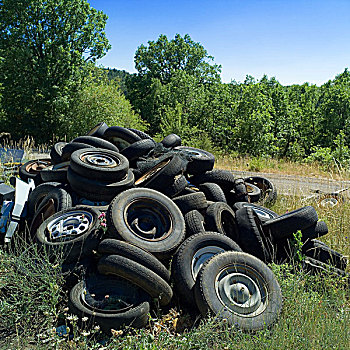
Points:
[296,185]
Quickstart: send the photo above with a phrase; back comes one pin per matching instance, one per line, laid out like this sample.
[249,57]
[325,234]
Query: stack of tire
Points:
[152,223]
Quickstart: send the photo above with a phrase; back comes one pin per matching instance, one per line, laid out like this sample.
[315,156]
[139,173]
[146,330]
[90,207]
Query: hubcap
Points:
[241,290]
[69,225]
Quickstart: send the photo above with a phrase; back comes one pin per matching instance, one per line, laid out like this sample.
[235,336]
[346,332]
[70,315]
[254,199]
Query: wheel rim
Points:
[329,202]
[148,219]
[38,165]
[99,159]
[242,290]
[201,256]
[69,226]
[263,214]
[114,297]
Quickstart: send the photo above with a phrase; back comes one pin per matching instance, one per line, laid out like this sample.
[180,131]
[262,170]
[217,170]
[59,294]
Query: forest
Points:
[51,88]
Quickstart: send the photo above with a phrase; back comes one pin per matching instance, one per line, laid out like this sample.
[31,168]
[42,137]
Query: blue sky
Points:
[293,40]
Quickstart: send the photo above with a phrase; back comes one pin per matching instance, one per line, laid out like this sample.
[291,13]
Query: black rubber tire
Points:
[254,193]
[194,222]
[213,192]
[96,142]
[208,301]
[138,149]
[96,190]
[200,160]
[32,169]
[182,267]
[73,249]
[171,141]
[163,174]
[141,134]
[320,251]
[71,147]
[251,237]
[160,211]
[130,251]
[191,201]
[315,267]
[239,192]
[140,275]
[177,187]
[285,225]
[56,152]
[80,164]
[120,137]
[55,173]
[263,213]
[98,130]
[38,194]
[224,178]
[317,230]
[219,217]
[268,189]
[136,316]
[56,200]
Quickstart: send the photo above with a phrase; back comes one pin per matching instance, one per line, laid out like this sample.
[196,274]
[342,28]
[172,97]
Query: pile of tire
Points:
[146,224]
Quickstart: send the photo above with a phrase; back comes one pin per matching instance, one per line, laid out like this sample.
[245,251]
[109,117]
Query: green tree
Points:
[46,47]
[98,99]
[179,63]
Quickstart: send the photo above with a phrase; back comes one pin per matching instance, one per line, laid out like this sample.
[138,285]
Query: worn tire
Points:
[147,219]
[285,225]
[95,190]
[191,201]
[251,237]
[194,222]
[317,230]
[120,137]
[268,189]
[224,178]
[98,130]
[99,164]
[95,291]
[138,149]
[320,251]
[263,213]
[130,251]
[171,141]
[56,152]
[219,217]
[137,274]
[213,192]
[191,256]
[200,160]
[236,270]
[96,142]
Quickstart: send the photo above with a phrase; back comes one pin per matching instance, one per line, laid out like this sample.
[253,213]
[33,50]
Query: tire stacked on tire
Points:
[134,208]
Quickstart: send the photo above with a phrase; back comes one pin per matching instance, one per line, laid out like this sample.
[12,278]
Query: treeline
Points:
[50,89]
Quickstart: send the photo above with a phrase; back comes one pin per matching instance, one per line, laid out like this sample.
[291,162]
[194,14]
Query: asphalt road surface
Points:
[300,185]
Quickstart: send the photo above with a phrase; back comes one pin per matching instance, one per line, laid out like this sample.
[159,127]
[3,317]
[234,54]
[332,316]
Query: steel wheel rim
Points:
[69,226]
[37,166]
[148,219]
[329,202]
[99,159]
[201,256]
[242,290]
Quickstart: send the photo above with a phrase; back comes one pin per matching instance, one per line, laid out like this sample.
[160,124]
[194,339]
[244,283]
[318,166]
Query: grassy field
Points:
[316,313]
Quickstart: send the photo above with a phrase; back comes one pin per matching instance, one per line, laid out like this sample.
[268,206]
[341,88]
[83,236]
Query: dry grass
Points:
[281,166]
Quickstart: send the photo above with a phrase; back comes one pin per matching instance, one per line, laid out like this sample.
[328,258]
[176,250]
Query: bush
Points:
[98,99]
